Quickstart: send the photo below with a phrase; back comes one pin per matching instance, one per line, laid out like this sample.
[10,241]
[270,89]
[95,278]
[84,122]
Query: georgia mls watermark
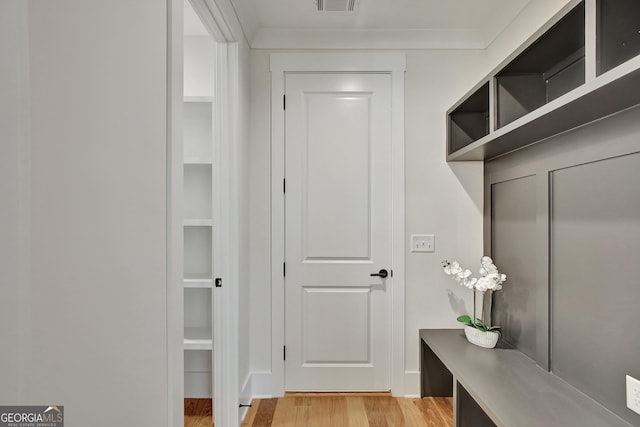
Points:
[32,416]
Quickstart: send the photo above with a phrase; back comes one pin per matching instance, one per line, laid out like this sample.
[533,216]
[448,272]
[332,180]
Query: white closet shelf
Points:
[199,99]
[197,277]
[195,280]
[198,161]
[198,283]
[198,222]
[198,338]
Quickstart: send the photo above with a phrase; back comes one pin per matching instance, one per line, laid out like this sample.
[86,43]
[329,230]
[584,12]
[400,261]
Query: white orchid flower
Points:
[452,269]
[469,282]
[487,266]
[502,278]
[492,281]
[490,278]
[488,269]
[464,274]
[463,277]
[483,284]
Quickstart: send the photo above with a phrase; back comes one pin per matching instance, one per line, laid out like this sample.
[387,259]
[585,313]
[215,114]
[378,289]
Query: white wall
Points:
[94,330]
[199,66]
[260,214]
[444,199]
[14,197]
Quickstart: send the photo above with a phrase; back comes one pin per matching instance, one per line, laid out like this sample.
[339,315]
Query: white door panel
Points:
[326,340]
[338,231]
[336,176]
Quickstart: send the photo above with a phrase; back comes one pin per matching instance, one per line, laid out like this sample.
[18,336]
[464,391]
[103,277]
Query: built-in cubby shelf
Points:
[198,246]
[198,128]
[197,251]
[197,373]
[469,121]
[550,85]
[197,191]
[550,67]
[618,36]
[198,333]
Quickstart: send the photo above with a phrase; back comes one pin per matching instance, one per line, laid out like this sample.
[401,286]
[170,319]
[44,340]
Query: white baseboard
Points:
[243,412]
[246,397]
[411,383]
[262,385]
[259,384]
[246,392]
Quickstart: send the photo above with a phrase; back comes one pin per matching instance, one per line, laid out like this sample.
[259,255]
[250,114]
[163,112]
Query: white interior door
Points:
[338,232]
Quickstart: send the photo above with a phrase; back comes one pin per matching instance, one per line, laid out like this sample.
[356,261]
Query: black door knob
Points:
[382,273]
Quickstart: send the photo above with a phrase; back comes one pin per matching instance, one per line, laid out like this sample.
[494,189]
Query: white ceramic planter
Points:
[481,338]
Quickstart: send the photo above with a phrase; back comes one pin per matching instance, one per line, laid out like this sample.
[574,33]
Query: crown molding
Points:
[276,38]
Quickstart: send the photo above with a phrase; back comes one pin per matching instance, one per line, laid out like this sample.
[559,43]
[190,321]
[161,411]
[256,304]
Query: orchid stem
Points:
[474,307]
[490,308]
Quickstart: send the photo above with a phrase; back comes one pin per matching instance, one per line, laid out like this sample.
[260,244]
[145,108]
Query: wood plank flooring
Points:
[198,413]
[342,410]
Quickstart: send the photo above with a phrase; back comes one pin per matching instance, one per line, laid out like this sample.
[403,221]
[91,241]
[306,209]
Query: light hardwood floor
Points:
[198,413]
[343,410]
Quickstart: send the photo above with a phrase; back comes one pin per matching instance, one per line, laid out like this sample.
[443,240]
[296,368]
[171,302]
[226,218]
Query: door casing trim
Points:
[393,64]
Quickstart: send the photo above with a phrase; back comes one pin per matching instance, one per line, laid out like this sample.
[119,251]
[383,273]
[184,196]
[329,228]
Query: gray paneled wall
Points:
[595,276]
[514,214]
[562,220]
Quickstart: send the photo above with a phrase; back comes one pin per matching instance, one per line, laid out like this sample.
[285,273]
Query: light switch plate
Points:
[423,243]
[633,394]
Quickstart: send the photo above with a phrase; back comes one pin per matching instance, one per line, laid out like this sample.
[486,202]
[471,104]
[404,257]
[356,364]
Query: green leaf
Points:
[481,324]
[465,319]
[495,329]
[481,327]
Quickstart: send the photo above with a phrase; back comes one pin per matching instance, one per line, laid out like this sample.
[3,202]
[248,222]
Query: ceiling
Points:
[375,23]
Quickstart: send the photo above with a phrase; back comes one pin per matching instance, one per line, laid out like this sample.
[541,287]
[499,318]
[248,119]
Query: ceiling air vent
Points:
[336,5]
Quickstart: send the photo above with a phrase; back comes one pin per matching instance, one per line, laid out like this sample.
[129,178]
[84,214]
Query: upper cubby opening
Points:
[470,120]
[552,66]
[618,33]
